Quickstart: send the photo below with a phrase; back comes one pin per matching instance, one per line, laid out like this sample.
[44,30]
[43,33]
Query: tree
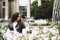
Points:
[44,11]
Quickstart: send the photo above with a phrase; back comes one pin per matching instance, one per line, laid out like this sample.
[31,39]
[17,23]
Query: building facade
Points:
[8,7]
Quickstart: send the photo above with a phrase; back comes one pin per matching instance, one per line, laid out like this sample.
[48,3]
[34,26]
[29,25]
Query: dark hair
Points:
[14,16]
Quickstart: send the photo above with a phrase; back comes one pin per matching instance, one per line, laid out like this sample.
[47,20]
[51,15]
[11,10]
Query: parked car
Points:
[30,19]
[3,20]
[41,21]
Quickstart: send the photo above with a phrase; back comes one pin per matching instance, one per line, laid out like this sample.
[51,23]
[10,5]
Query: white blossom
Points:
[46,38]
[53,38]
[58,37]
[45,30]
[53,31]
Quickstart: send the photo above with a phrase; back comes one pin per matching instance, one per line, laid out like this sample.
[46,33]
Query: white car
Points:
[30,19]
[41,21]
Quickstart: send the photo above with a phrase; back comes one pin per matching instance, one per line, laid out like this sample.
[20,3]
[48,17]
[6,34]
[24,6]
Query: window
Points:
[3,12]
[3,3]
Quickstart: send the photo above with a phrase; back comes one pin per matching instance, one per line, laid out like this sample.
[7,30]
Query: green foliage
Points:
[59,28]
[3,26]
[34,8]
[43,11]
[1,38]
[50,36]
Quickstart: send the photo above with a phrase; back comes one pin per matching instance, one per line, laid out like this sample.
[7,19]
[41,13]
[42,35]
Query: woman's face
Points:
[19,18]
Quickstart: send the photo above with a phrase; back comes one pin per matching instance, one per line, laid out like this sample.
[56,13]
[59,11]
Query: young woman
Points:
[16,23]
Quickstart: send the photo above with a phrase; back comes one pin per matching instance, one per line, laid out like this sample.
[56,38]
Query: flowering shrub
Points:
[32,32]
[3,28]
[1,38]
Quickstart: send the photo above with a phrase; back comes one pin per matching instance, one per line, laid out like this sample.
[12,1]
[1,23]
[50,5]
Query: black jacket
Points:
[19,27]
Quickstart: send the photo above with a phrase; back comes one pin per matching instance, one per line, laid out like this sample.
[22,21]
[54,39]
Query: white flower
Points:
[43,36]
[53,31]
[2,31]
[40,39]
[58,37]
[46,38]
[53,37]
[45,30]
[31,37]
[24,31]
[35,32]
[27,28]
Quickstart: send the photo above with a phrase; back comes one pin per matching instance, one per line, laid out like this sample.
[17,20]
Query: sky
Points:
[24,2]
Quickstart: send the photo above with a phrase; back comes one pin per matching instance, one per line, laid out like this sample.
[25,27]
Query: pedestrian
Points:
[16,23]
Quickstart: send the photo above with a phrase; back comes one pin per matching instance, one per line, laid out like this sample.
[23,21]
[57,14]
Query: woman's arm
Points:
[10,26]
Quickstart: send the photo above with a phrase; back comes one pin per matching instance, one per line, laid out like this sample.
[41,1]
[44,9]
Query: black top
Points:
[19,27]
